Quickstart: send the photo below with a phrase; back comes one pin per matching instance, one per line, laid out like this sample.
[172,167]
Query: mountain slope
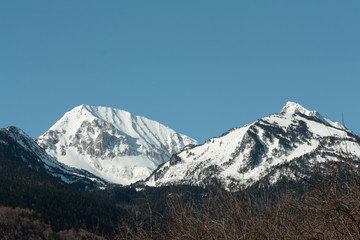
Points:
[15,145]
[293,142]
[112,144]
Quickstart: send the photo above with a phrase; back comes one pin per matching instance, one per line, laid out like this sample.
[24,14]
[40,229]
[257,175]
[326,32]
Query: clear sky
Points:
[200,67]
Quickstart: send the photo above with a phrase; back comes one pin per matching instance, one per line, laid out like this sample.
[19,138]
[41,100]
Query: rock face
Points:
[112,144]
[18,146]
[293,142]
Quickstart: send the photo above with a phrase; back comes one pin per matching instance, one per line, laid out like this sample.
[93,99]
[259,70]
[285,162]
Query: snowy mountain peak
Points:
[111,143]
[99,112]
[266,150]
[292,108]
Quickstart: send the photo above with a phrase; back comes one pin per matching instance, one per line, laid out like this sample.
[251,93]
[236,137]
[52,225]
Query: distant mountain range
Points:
[91,147]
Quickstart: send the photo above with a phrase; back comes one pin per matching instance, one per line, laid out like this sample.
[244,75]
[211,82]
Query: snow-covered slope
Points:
[112,144]
[17,145]
[293,141]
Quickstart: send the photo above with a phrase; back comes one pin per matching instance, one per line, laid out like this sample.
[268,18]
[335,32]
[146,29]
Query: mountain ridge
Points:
[119,147]
[245,155]
[16,145]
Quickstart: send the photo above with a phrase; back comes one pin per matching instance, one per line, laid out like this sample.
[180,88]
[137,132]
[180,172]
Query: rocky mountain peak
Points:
[112,143]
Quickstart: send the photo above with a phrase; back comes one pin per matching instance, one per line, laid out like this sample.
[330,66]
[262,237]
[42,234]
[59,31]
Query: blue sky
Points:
[199,67]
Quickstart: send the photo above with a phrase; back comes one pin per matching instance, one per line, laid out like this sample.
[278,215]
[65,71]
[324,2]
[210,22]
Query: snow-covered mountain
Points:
[18,146]
[294,142]
[112,144]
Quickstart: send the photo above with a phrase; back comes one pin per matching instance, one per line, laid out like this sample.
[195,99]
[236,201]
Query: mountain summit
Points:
[295,141]
[113,144]
[292,108]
